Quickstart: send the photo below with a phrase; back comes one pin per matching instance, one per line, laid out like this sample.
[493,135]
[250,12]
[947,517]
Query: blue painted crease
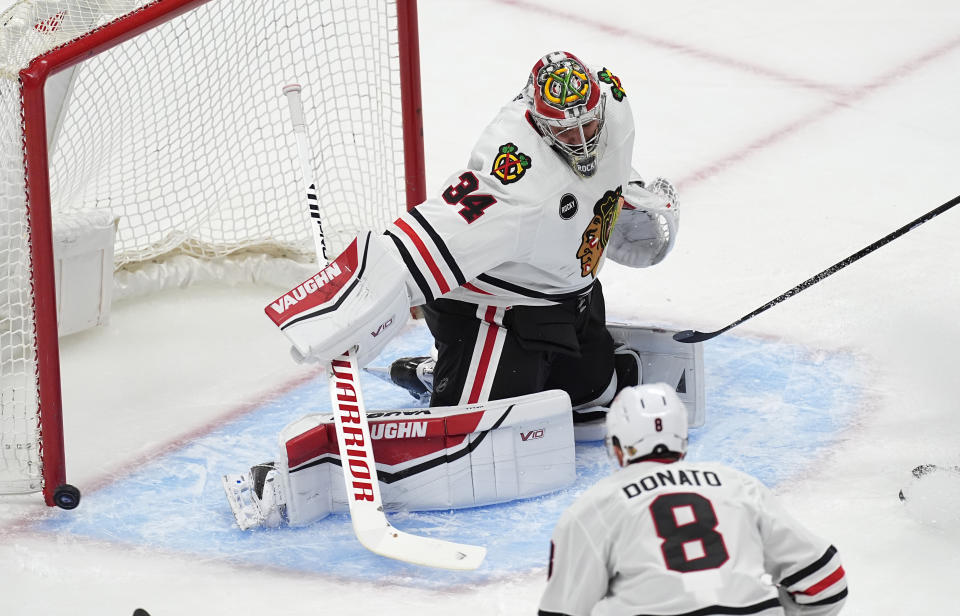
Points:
[772,409]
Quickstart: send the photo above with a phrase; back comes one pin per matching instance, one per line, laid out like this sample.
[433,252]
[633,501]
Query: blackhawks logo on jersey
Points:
[597,234]
[616,88]
[510,164]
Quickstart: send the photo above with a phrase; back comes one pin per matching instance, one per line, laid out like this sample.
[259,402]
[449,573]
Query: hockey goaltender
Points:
[504,260]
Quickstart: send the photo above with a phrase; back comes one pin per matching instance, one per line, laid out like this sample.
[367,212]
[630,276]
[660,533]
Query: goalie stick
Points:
[370,524]
[697,336]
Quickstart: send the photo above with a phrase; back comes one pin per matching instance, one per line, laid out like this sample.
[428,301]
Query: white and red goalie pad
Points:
[358,300]
[664,360]
[436,458]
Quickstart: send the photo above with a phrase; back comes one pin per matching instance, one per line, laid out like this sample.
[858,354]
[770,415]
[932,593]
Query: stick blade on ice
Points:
[423,551]
[690,336]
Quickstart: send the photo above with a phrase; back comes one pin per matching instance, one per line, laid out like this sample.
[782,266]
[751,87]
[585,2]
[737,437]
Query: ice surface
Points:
[797,134]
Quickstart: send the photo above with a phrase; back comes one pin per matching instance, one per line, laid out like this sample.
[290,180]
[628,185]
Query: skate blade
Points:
[380,372]
[384,375]
[239,492]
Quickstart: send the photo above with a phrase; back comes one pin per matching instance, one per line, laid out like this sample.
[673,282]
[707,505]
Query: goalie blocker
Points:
[426,458]
[357,301]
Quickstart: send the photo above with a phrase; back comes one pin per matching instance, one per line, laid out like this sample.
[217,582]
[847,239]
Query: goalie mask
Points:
[646,421]
[567,106]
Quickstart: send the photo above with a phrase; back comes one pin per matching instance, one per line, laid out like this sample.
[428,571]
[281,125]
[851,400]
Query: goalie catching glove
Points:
[646,229]
[358,300]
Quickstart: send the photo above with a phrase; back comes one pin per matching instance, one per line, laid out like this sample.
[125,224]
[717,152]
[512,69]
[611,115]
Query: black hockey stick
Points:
[695,336]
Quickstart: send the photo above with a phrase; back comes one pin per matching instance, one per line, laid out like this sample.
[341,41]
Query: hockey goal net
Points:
[169,115]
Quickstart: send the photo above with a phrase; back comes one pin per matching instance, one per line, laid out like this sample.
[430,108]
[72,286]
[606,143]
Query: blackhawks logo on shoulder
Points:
[510,164]
[616,88]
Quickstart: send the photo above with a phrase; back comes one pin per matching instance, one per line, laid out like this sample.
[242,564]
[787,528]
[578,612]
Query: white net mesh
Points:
[182,133]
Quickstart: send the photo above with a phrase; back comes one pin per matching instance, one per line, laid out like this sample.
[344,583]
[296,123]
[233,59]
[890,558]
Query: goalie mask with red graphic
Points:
[567,106]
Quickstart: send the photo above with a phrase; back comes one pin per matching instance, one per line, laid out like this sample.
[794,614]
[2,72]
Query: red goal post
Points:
[168,114]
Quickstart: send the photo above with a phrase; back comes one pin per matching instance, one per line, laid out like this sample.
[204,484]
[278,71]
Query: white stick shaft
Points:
[370,525]
[356,449]
[292,93]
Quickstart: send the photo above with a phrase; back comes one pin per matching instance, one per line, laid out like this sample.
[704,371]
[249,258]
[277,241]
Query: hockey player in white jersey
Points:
[664,536]
[504,257]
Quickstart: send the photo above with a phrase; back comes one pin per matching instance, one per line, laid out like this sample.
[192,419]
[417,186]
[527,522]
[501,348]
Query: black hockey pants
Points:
[490,353]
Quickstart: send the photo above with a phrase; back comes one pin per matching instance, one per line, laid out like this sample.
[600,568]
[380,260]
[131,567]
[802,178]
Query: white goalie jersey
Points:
[687,538]
[518,226]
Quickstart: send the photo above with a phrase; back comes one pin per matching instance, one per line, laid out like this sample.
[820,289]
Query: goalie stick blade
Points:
[423,551]
[370,525]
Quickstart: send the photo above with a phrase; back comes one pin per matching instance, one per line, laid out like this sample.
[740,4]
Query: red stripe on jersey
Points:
[425,254]
[488,344]
[825,583]
[475,289]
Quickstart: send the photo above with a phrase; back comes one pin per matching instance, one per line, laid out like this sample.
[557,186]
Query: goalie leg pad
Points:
[438,458]
[664,360]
